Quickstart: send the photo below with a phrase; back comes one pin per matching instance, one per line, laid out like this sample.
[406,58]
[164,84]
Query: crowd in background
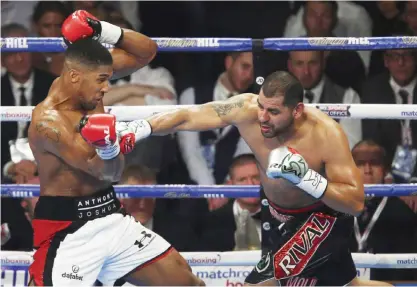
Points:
[221,156]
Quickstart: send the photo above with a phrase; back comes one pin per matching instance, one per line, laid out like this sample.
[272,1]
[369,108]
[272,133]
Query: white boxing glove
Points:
[286,162]
[140,128]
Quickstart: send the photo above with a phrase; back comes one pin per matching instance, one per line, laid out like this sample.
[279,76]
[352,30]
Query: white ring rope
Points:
[247,258]
[337,111]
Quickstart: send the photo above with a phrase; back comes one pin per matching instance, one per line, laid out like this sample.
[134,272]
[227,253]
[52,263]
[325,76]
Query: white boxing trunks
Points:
[80,240]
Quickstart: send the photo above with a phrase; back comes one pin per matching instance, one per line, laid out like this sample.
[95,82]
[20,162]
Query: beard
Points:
[88,106]
[275,131]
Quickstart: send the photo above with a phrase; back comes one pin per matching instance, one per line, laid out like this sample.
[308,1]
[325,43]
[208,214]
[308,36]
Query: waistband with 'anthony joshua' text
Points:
[99,204]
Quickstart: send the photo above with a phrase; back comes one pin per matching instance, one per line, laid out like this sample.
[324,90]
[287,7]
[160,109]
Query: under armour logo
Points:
[141,243]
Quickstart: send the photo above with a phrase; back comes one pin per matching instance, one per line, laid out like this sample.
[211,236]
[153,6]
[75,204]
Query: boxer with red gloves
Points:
[81,232]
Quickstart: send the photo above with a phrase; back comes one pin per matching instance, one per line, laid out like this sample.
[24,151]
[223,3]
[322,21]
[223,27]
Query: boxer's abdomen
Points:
[60,179]
[284,193]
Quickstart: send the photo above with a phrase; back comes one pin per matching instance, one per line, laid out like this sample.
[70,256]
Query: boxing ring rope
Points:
[257,46]
[251,258]
[201,191]
[15,264]
[32,44]
[337,111]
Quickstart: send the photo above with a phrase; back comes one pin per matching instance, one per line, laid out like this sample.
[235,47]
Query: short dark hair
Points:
[235,55]
[372,143]
[283,83]
[139,172]
[8,29]
[89,52]
[369,142]
[49,6]
[241,160]
[333,5]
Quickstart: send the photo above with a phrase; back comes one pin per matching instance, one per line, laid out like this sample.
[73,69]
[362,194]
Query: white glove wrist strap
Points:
[110,34]
[141,128]
[109,152]
[313,183]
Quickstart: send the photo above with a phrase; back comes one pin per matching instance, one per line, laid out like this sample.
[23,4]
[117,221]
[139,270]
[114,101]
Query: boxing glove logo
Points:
[107,136]
[295,164]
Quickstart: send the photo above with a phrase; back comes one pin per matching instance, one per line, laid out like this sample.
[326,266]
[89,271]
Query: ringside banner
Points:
[214,268]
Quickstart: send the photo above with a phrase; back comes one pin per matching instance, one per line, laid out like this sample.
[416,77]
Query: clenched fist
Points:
[81,24]
[99,130]
[286,162]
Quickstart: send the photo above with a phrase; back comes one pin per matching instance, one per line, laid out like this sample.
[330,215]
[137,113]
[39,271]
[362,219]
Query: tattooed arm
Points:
[54,134]
[208,116]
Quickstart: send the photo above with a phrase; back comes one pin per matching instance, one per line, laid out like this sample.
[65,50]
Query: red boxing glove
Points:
[99,130]
[82,24]
[127,138]
[77,26]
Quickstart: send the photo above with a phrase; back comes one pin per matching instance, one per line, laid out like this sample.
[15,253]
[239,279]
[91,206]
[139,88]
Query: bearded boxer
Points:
[81,232]
[307,172]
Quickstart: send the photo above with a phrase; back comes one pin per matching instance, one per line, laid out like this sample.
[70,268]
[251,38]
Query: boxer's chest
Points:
[306,145]
[281,191]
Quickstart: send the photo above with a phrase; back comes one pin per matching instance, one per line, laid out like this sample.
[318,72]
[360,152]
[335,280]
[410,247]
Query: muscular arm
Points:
[208,116]
[345,190]
[51,133]
[134,52]
[119,94]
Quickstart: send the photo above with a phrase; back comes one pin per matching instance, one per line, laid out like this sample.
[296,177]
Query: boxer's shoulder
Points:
[250,100]
[235,110]
[247,98]
[322,123]
[247,107]
[49,126]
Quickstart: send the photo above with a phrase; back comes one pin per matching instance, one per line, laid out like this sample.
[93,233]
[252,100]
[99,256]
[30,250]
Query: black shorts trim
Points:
[73,208]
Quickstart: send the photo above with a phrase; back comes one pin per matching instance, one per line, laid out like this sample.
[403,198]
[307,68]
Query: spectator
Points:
[238,222]
[153,213]
[309,67]
[209,154]
[388,19]
[16,231]
[92,7]
[145,87]
[130,9]
[345,68]
[22,85]
[391,224]
[410,16]
[343,19]
[47,19]
[396,86]
[17,12]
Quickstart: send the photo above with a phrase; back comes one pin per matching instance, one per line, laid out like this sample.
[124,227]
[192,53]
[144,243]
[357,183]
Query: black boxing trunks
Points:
[80,240]
[308,247]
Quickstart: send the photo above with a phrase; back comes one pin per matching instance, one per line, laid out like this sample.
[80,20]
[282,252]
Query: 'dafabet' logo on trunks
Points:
[293,257]
[74,275]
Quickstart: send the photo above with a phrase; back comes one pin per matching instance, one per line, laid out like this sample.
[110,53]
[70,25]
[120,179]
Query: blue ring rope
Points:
[34,44]
[202,191]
